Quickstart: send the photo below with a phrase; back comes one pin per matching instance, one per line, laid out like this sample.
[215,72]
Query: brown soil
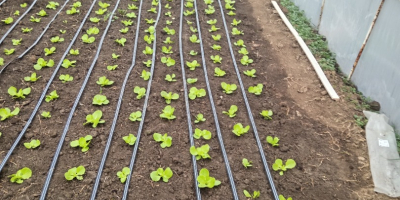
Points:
[320,134]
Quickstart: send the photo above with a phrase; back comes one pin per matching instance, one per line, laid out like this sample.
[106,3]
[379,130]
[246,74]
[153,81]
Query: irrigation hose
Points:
[190,128]
[28,123]
[249,112]
[133,159]
[221,142]
[17,21]
[121,95]
[1,3]
[71,114]
[37,40]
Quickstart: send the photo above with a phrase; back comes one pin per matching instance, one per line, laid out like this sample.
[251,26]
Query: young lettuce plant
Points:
[194,93]
[279,166]
[199,118]
[52,96]
[194,30]
[40,63]
[121,41]
[21,175]
[8,51]
[50,51]
[168,61]
[229,6]
[145,75]
[188,12]
[281,197]
[256,89]
[52,5]
[94,19]
[274,141]
[167,50]
[8,20]
[56,39]
[112,67]
[18,94]
[239,43]
[82,142]
[148,51]
[267,114]
[132,7]
[88,40]
[115,56]
[68,63]
[161,173]
[236,31]
[198,133]
[216,59]
[124,30]
[169,14]
[136,116]
[129,139]
[140,91]
[101,11]
[219,72]
[16,42]
[66,78]
[231,112]
[169,31]
[208,2]
[168,96]
[205,180]
[152,10]
[103,81]
[168,112]
[200,152]
[93,31]
[216,47]
[212,21]
[236,22]
[149,38]
[192,65]
[35,19]
[32,78]
[45,114]
[228,88]
[210,10]
[193,53]
[194,39]
[26,30]
[255,195]
[239,130]
[243,51]
[6,113]
[94,118]
[72,11]
[100,99]
[1,61]
[216,37]
[250,73]
[32,144]
[167,6]
[23,5]
[170,77]
[131,15]
[246,163]
[246,60]
[191,80]
[103,5]
[168,41]
[75,172]
[123,174]
[213,28]
[231,13]
[166,141]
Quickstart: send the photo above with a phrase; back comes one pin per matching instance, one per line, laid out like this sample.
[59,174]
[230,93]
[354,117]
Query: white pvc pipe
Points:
[332,93]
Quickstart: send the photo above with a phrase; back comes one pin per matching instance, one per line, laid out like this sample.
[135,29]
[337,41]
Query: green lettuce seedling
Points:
[72,11]
[208,2]
[189,5]
[150,21]
[103,81]
[151,30]
[131,15]
[228,88]
[229,6]
[21,175]
[168,112]
[148,51]
[168,41]
[188,12]
[23,5]
[213,28]
[76,172]
[232,111]
[123,174]
[8,20]
[246,163]
[166,141]
[52,5]
[240,43]
[46,114]
[115,56]
[200,152]
[192,65]
[1,61]
[168,22]
[127,22]
[170,77]
[281,197]
[198,133]
[74,52]
[256,89]
[26,30]
[169,31]
[52,96]
[103,5]
[239,130]
[199,118]
[212,21]
[193,53]
[77,4]
[168,96]
[216,47]
[50,51]
[100,99]
[112,67]
[167,6]
[88,40]
[16,42]
[140,91]
[210,10]
[191,80]
[205,180]
[231,13]
[216,59]
[152,10]
[274,141]
[169,14]
[236,31]
[94,118]
[194,39]
[194,93]
[149,38]
[16,13]
[32,144]
[93,31]
[8,51]
[42,13]
[236,22]
[121,41]
[43,63]
[82,142]
[94,19]
[6,113]
[250,73]
[32,78]
[167,50]
[101,11]
[255,195]
[34,19]
[66,78]
[168,61]
[161,173]
[194,30]
[243,51]
[219,72]
[18,94]
[135,116]
[145,75]
[246,60]
[67,63]
[124,30]
[129,139]
[267,114]
[132,7]
[279,166]
[216,37]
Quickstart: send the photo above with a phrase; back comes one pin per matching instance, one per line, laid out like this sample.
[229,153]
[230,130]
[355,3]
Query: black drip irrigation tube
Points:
[71,114]
[28,123]
[133,159]
[190,128]
[221,142]
[37,40]
[17,21]
[121,95]
[249,112]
